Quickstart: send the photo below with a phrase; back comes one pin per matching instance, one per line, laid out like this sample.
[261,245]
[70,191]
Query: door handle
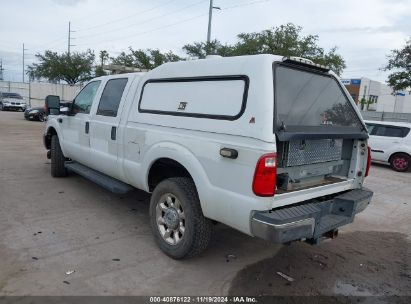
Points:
[87,127]
[113,133]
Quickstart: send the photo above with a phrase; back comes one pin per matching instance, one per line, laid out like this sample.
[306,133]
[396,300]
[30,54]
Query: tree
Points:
[399,61]
[72,68]
[285,40]
[104,56]
[367,102]
[341,114]
[145,59]
[99,70]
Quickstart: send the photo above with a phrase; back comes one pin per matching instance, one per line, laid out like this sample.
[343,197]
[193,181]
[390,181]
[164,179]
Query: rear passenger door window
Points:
[111,97]
[389,131]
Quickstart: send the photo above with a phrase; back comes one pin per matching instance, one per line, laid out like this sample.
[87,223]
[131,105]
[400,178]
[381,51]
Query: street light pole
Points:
[210,18]
[24,50]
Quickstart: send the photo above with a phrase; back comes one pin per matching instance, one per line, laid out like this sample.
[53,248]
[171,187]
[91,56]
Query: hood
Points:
[21,101]
[36,108]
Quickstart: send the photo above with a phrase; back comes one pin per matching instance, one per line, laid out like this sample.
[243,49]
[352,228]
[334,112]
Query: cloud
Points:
[68,2]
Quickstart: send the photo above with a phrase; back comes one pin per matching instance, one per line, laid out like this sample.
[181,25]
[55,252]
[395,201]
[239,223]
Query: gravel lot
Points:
[52,226]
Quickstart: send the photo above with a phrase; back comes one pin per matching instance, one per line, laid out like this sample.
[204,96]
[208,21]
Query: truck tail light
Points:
[368,162]
[265,175]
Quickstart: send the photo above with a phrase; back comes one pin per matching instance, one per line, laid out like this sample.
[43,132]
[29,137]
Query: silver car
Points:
[12,101]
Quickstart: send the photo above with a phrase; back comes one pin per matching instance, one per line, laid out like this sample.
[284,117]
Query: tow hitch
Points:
[332,234]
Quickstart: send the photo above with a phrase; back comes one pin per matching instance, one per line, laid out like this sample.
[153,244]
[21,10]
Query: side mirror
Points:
[53,105]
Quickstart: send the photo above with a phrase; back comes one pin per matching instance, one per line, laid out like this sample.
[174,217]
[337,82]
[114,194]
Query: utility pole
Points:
[24,50]
[210,17]
[1,69]
[69,39]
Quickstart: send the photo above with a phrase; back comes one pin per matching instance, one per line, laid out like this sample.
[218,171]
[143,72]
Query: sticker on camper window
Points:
[182,106]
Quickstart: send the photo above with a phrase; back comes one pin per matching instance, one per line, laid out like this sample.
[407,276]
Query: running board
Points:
[99,178]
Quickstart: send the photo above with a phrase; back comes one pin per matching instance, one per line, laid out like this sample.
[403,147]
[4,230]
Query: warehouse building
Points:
[378,95]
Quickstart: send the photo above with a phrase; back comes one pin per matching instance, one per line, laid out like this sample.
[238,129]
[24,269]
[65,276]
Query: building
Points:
[379,94]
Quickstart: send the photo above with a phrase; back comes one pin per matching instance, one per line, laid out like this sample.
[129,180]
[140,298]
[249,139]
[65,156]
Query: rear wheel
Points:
[41,117]
[400,162]
[178,224]
[57,158]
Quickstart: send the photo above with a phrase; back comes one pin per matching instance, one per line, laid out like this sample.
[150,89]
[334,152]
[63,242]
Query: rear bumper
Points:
[310,220]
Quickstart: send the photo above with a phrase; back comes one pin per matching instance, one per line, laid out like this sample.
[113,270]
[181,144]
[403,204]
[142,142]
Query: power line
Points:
[153,30]
[99,12]
[124,18]
[245,4]
[140,23]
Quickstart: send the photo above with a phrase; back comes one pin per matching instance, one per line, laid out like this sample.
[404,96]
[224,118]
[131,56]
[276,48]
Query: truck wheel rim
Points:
[170,219]
[400,163]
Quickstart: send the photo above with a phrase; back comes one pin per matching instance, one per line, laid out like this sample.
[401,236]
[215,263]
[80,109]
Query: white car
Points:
[390,142]
[12,101]
[273,147]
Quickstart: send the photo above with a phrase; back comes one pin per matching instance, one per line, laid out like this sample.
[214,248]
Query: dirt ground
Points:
[52,226]
[358,264]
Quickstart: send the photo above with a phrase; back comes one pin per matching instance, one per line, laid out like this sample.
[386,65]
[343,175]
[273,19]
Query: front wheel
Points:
[400,162]
[57,158]
[177,221]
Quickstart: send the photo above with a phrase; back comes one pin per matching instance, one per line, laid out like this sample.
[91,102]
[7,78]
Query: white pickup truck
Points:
[274,147]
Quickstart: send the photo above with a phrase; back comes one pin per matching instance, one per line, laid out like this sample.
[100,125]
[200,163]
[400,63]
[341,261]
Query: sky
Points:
[363,31]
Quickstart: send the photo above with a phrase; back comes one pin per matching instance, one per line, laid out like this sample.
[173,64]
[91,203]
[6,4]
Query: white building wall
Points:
[386,102]
[35,92]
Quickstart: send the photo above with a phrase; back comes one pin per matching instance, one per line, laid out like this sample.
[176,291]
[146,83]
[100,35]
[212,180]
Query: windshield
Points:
[309,99]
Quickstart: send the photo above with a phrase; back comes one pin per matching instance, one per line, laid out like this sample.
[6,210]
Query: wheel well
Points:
[47,140]
[164,168]
[392,155]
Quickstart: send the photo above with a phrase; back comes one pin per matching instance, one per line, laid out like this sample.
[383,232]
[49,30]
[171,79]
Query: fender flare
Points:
[52,124]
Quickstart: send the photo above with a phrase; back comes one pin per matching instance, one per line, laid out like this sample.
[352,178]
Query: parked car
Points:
[36,113]
[273,147]
[12,101]
[391,143]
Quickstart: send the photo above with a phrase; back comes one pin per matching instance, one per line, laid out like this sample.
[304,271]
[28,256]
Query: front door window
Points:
[82,103]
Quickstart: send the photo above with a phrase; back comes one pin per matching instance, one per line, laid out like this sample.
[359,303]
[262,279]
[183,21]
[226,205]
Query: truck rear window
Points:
[310,99]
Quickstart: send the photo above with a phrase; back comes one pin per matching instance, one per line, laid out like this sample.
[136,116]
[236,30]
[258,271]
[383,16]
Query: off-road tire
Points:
[57,158]
[198,228]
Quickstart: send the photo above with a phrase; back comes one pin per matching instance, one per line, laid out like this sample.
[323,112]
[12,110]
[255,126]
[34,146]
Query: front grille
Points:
[304,152]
